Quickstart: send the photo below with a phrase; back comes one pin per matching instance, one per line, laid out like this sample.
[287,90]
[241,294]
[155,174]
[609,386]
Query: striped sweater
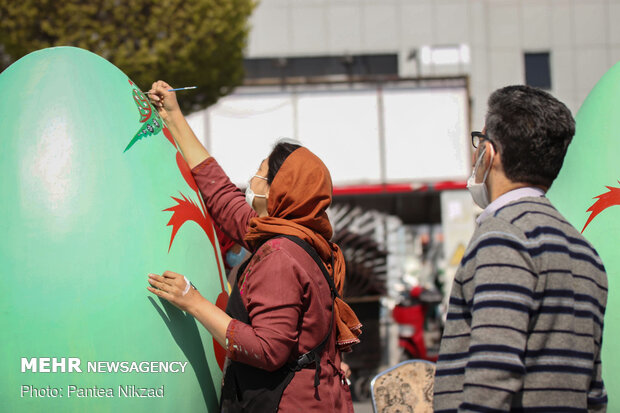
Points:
[525,321]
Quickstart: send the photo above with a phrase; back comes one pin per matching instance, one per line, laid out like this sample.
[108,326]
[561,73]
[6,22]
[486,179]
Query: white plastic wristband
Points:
[187,285]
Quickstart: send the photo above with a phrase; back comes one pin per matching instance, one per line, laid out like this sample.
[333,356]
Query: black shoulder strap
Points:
[315,256]
[314,355]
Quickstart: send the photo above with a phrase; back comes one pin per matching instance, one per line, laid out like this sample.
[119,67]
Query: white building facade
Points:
[490,37]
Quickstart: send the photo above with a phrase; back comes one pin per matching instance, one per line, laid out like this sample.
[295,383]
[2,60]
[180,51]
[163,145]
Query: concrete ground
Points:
[363,407]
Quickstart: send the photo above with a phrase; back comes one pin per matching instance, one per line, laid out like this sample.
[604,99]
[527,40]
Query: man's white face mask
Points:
[479,191]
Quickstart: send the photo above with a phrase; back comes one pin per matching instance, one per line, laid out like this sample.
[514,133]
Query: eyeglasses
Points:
[477,137]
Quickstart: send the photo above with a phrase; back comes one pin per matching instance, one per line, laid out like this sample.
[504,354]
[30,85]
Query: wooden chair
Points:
[404,388]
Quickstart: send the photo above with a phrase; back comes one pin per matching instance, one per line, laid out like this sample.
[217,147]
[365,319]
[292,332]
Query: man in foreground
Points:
[525,321]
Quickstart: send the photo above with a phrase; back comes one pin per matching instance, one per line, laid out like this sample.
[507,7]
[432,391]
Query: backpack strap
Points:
[314,355]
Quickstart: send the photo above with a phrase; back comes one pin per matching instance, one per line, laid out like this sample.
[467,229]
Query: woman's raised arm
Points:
[168,107]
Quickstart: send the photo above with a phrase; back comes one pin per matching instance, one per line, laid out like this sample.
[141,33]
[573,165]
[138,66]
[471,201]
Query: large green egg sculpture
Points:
[95,196]
[587,193]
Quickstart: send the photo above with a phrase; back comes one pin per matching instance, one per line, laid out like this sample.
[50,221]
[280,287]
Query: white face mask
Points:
[250,195]
[478,191]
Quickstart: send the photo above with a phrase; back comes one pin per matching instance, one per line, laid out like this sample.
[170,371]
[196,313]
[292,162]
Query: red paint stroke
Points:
[186,172]
[207,226]
[168,135]
[187,210]
[220,352]
[610,198]
[189,179]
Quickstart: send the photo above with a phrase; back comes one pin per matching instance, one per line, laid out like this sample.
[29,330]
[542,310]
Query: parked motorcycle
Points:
[418,323]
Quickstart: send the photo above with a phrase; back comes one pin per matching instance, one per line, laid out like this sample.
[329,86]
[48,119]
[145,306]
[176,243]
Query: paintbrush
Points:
[176,89]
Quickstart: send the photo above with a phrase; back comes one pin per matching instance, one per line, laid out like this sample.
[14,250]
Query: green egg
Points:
[587,193]
[94,197]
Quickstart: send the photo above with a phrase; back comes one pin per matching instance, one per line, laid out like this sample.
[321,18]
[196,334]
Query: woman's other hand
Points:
[174,288]
[345,369]
[165,101]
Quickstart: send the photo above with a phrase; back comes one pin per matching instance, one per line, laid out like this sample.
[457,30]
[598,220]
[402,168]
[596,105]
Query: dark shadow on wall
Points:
[185,332]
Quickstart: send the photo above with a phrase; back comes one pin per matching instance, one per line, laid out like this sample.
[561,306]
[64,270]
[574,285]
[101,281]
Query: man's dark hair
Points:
[277,157]
[533,130]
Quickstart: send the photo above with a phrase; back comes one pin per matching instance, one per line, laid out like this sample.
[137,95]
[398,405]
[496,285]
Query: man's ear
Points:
[489,156]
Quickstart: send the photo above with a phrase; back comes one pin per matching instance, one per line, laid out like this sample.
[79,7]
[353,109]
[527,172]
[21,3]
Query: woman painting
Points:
[285,324]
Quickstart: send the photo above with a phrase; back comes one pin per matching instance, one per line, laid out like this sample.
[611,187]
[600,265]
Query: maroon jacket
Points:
[287,299]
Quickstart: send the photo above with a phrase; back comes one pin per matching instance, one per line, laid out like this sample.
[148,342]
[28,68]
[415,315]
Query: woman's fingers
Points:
[158,92]
[158,282]
[161,89]
[162,98]
[155,99]
[159,293]
[156,277]
[169,281]
[172,287]
[161,84]
[177,280]
[171,275]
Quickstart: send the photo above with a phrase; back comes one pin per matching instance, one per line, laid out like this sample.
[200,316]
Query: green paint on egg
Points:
[587,187]
[88,175]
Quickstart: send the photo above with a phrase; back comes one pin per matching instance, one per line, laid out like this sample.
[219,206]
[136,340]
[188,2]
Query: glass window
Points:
[538,70]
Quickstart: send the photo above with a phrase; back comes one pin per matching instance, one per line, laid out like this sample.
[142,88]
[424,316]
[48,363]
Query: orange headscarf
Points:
[298,197]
